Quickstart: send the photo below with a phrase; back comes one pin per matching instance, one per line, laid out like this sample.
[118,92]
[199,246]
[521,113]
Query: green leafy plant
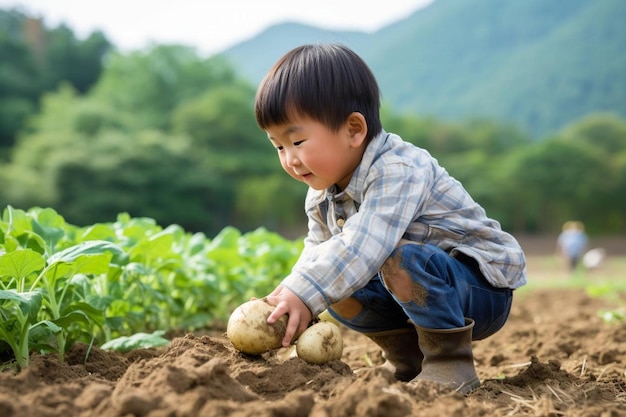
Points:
[60,283]
[49,305]
[18,316]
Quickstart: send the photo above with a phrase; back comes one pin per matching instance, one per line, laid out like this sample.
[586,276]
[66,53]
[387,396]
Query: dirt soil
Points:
[555,357]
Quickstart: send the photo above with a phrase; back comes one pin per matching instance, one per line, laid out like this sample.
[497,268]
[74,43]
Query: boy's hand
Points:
[287,302]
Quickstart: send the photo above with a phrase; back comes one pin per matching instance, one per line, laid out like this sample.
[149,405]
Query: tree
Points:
[555,181]
[149,174]
[221,123]
[18,92]
[603,131]
[151,84]
[35,60]
[112,151]
[275,201]
[70,60]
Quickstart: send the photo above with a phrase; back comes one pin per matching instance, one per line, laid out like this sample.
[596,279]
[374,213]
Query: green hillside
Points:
[540,64]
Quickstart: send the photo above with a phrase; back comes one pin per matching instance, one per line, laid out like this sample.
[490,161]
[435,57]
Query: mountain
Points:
[536,63]
[254,57]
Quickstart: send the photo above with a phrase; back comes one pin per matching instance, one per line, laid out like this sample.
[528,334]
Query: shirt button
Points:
[340,222]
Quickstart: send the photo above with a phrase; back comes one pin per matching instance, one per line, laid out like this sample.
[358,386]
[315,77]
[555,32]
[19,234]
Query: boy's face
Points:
[312,153]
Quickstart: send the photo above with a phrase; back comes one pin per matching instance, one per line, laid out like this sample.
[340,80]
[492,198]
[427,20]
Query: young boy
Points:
[396,248]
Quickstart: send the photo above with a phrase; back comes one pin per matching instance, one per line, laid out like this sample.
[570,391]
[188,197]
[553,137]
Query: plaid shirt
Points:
[398,191]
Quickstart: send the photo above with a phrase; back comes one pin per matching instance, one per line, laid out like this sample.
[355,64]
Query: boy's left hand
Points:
[299,315]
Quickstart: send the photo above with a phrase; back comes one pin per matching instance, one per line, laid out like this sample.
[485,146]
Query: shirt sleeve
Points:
[317,232]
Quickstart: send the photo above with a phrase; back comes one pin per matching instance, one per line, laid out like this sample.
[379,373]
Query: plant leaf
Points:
[137,341]
[21,263]
[29,302]
[90,247]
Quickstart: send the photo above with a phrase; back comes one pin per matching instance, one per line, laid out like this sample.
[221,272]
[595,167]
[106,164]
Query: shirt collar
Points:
[372,152]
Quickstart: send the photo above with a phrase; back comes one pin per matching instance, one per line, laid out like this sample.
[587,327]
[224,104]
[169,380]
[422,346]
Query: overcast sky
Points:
[209,25]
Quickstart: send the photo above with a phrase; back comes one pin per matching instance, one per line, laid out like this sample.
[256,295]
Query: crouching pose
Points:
[396,248]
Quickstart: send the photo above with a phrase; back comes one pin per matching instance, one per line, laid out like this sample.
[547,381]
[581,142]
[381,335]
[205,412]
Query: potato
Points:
[320,343]
[249,331]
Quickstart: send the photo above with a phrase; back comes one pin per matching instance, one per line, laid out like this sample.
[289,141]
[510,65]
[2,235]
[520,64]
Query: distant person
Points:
[396,249]
[572,243]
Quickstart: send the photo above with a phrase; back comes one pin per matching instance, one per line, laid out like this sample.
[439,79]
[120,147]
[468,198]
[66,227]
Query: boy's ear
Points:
[357,128]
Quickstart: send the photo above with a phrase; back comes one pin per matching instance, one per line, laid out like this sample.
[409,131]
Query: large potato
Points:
[320,343]
[249,331]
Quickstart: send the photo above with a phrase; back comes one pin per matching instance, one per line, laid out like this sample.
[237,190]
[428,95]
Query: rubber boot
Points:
[401,352]
[448,358]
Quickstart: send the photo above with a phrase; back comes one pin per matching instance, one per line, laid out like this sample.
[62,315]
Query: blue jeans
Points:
[422,284]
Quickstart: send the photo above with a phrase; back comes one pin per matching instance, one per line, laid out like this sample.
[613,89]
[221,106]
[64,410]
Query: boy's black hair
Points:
[326,82]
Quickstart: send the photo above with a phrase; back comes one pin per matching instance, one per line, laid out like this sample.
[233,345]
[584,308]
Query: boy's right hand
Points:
[287,302]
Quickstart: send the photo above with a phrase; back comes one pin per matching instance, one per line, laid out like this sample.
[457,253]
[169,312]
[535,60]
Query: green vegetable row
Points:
[60,283]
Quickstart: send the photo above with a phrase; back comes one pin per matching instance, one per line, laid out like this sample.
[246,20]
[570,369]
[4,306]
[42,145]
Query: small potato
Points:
[249,331]
[320,343]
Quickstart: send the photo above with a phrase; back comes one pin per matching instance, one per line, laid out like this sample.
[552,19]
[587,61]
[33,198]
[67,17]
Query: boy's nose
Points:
[292,159]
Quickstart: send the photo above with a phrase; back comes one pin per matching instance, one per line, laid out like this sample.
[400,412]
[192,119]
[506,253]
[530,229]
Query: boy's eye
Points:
[298,143]
[279,148]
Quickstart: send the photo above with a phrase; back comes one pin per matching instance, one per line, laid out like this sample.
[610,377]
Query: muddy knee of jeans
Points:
[399,281]
[396,278]
[347,309]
